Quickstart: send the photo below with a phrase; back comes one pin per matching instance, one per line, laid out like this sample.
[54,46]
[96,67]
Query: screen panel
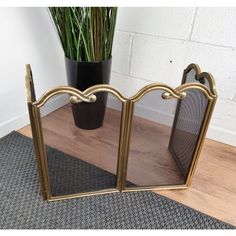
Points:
[187,128]
[80,160]
[150,163]
[188,122]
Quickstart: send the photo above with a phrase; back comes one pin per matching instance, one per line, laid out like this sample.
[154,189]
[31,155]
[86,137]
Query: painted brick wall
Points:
[156,45]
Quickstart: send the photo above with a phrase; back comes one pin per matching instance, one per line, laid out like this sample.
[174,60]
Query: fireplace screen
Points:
[151,140]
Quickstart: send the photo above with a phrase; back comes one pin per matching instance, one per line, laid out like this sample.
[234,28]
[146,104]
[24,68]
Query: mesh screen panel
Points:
[186,129]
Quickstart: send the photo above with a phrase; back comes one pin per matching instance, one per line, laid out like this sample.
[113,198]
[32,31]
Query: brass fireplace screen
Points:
[136,149]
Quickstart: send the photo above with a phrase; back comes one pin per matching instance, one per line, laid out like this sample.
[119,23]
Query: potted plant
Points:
[86,35]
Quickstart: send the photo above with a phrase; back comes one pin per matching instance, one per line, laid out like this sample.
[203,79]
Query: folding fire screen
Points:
[149,141]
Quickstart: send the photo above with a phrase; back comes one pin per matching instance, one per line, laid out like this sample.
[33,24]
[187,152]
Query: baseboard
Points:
[214,133]
[22,120]
[222,135]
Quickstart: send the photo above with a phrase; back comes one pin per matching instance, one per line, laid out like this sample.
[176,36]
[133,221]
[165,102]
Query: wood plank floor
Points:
[213,190]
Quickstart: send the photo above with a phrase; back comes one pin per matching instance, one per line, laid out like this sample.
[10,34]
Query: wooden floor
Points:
[213,190]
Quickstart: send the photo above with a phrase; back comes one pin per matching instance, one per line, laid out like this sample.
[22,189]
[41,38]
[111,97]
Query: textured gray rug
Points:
[22,207]
[70,175]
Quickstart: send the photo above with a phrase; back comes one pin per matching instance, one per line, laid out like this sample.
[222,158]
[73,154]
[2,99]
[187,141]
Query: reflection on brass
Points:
[166,95]
[128,105]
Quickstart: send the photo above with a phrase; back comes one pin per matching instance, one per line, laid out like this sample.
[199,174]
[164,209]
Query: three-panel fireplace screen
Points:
[149,141]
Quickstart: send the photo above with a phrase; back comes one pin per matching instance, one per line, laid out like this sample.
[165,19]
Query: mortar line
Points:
[135,77]
[234,98]
[193,23]
[176,39]
[147,34]
[213,44]
[130,54]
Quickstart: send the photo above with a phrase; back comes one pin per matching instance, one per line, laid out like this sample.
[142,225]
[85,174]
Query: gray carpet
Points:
[70,175]
[22,207]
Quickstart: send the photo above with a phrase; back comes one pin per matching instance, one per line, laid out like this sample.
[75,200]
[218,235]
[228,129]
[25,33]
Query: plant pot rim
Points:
[94,62]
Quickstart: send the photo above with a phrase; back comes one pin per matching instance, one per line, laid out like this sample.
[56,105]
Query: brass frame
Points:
[125,126]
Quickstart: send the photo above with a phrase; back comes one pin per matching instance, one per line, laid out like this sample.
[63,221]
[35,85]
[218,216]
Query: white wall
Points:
[147,39]
[27,36]
[156,44]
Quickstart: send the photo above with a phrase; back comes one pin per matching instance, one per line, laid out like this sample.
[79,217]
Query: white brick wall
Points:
[156,44]
[122,50]
[215,26]
[157,21]
[157,59]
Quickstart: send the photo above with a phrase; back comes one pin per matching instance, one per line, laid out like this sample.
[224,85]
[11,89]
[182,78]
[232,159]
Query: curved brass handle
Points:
[75,99]
[167,95]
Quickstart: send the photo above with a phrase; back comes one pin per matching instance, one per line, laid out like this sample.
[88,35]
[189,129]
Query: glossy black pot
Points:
[82,75]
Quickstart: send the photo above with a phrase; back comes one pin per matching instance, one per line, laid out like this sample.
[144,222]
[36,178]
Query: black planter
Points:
[82,75]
